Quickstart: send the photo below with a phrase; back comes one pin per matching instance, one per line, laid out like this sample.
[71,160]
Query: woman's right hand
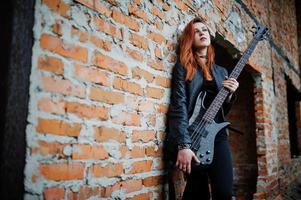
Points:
[184,158]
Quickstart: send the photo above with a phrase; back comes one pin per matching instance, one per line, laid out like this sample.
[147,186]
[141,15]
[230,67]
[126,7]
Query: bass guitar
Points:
[202,127]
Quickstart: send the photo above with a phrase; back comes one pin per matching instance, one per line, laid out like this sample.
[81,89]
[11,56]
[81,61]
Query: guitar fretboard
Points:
[223,93]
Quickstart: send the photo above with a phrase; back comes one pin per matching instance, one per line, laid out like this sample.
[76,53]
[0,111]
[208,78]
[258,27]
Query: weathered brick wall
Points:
[100,88]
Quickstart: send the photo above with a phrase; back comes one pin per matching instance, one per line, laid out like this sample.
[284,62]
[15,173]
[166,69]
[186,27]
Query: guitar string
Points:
[203,122]
[201,126]
[195,137]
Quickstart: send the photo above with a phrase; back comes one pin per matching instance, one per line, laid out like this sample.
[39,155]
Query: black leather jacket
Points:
[183,98]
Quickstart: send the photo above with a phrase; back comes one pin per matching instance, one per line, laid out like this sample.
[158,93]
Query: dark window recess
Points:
[16,39]
[292,100]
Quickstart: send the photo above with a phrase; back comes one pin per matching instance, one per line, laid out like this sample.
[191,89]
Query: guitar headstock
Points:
[260,32]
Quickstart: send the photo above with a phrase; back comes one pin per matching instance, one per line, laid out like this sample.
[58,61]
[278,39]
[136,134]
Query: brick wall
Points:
[100,86]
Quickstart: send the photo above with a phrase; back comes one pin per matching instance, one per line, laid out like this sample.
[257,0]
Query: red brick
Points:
[128,119]
[151,120]
[155,11]
[128,185]
[137,12]
[64,87]
[57,28]
[110,189]
[162,81]
[83,151]
[152,151]
[141,73]
[126,20]
[171,46]
[158,38]
[134,152]
[51,64]
[137,152]
[159,25]
[103,134]
[144,196]
[83,36]
[141,167]
[162,108]
[50,148]
[137,2]
[51,106]
[58,6]
[156,93]
[139,41]
[54,193]
[108,28]
[135,54]
[161,136]
[57,127]
[144,136]
[127,86]
[92,75]
[56,45]
[181,6]
[97,6]
[158,53]
[86,192]
[106,96]
[109,63]
[146,106]
[109,170]
[166,6]
[158,65]
[62,171]
[98,42]
[87,111]
[152,181]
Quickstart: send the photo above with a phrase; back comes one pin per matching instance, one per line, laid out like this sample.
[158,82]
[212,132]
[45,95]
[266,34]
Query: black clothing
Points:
[209,86]
[219,172]
[183,98]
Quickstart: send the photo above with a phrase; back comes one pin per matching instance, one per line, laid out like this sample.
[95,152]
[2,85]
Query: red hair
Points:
[189,58]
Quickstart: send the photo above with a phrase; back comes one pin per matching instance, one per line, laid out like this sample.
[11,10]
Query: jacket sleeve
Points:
[178,116]
[228,104]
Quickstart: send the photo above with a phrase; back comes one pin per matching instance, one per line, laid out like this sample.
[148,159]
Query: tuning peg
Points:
[265,37]
[254,33]
[254,29]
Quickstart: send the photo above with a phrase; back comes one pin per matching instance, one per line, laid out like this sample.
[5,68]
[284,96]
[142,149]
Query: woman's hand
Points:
[231,84]
[184,160]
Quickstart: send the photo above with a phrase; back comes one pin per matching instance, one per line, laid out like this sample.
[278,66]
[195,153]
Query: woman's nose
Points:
[201,33]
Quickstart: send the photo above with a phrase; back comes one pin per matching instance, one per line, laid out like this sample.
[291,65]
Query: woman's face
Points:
[201,36]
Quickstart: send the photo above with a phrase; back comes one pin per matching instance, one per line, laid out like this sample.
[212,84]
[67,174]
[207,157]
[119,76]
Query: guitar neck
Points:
[223,93]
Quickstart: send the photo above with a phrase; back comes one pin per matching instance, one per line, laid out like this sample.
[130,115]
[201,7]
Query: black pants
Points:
[219,172]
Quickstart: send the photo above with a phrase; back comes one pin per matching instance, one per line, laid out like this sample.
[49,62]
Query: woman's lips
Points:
[203,38]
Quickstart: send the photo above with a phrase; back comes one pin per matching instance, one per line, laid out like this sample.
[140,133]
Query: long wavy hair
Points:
[189,58]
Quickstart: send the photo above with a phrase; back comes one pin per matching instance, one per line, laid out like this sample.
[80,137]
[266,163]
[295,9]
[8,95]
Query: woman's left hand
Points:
[231,84]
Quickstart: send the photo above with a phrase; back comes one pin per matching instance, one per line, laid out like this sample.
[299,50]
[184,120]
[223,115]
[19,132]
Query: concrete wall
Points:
[100,87]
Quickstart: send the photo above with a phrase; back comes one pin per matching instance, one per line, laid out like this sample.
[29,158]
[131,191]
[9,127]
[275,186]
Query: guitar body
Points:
[205,151]
[203,133]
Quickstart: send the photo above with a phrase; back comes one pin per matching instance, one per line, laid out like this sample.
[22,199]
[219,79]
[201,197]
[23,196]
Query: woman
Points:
[194,72]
